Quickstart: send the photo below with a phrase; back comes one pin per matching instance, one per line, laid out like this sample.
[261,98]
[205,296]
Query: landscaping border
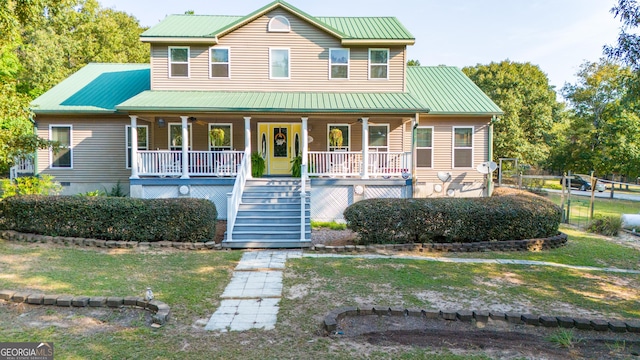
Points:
[511,245]
[331,320]
[159,309]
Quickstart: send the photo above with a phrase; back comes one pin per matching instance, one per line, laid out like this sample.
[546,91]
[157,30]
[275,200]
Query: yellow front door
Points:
[279,143]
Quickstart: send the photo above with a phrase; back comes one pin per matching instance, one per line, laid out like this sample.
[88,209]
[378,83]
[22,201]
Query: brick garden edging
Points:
[35,238]
[159,309]
[332,318]
[511,245]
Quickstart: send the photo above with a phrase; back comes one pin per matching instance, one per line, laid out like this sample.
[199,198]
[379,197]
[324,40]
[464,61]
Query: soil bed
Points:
[499,339]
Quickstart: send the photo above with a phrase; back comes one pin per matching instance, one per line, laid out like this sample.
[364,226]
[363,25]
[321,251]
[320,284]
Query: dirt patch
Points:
[76,320]
[498,339]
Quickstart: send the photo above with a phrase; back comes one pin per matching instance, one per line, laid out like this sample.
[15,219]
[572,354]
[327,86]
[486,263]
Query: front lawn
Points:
[191,283]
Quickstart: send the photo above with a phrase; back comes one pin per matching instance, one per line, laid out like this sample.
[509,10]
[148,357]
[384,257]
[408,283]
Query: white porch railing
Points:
[389,164]
[201,163]
[349,164]
[22,166]
[234,198]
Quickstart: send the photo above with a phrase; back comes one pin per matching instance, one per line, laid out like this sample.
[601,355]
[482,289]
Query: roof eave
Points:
[462,113]
[180,39]
[269,110]
[378,42]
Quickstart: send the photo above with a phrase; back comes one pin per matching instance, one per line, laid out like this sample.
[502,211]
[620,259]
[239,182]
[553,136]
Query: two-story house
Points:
[331,94]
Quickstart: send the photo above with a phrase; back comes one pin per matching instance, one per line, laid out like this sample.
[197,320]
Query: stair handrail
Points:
[303,202]
[235,196]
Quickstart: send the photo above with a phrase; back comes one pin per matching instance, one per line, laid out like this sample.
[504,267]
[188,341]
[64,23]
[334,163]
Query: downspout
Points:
[414,156]
[35,156]
[490,153]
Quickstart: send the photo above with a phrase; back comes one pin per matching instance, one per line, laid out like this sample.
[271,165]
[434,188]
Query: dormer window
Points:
[178,61]
[279,24]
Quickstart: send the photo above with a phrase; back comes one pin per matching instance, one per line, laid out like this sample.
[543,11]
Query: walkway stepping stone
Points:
[600,325]
[548,321]
[617,326]
[565,322]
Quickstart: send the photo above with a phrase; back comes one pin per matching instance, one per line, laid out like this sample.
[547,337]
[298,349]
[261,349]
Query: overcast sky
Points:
[557,35]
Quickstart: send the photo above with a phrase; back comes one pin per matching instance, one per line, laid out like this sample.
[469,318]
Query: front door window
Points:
[280,140]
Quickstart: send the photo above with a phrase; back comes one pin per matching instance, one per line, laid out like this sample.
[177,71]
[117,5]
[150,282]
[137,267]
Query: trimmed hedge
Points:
[111,218]
[446,220]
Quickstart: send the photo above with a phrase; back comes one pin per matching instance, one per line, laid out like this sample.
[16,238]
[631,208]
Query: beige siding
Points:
[249,55]
[443,147]
[98,149]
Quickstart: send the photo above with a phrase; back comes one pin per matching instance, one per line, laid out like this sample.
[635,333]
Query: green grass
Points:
[192,282]
[582,249]
[580,212]
[328,224]
[564,338]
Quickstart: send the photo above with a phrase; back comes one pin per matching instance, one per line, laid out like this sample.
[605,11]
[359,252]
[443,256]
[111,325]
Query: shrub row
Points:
[447,220]
[109,218]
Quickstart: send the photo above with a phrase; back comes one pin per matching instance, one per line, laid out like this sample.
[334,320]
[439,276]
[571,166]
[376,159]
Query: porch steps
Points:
[269,216]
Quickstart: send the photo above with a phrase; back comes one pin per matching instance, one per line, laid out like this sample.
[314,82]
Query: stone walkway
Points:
[252,298]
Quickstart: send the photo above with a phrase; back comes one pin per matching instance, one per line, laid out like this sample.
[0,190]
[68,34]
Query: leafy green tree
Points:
[529,103]
[413,62]
[628,47]
[604,132]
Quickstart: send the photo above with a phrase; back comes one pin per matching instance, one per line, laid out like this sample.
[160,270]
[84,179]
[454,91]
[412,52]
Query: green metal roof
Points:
[96,88]
[447,90]
[344,28]
[273,102]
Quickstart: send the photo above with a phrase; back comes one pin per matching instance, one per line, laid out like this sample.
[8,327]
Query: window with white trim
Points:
[463,147]
[338,63]
[279,23]
[220,137]
[424,146]
[178,61]
[175,136]
[63,157]
[220,65]
[338,137]
[378,63]
[279,63]
[143,141]
[379,138]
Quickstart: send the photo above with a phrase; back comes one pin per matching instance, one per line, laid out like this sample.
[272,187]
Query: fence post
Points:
[563,182]
[593,195]
[568,198]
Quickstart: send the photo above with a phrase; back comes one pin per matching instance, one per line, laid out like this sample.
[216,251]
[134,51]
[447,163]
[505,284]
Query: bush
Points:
[500,218]
[605,225]
[111,218]
[29,185]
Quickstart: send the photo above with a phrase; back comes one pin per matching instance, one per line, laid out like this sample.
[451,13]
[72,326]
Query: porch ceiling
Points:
[295,102]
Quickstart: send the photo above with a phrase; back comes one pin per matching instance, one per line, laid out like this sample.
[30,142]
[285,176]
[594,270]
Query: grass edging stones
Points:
[159,309]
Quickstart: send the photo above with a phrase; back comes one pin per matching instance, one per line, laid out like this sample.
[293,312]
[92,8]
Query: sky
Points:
[556,35]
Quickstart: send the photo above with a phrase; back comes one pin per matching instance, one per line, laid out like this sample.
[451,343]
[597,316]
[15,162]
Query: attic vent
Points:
[279,23]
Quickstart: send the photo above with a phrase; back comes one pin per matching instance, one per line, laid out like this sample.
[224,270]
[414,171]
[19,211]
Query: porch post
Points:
[247,141]
[185,148]
[365,147]
[134,147]
[305,146]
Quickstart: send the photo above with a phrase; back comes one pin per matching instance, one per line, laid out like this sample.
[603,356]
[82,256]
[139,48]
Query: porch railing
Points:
[349,164]
[201,163]
[235,196]
[22,166]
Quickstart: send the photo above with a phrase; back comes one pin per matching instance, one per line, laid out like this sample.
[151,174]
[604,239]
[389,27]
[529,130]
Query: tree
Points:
[413,62]
[530,108]
[628,48]
[604,132]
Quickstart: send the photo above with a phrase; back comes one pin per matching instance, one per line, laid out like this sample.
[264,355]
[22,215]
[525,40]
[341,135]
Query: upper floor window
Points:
[378,63]
[178,61]
[279,63]
[220,65]
[424,146]
[63,157]
[279,24]
[339,137]
[338,63]
[220,137]
[463,147]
